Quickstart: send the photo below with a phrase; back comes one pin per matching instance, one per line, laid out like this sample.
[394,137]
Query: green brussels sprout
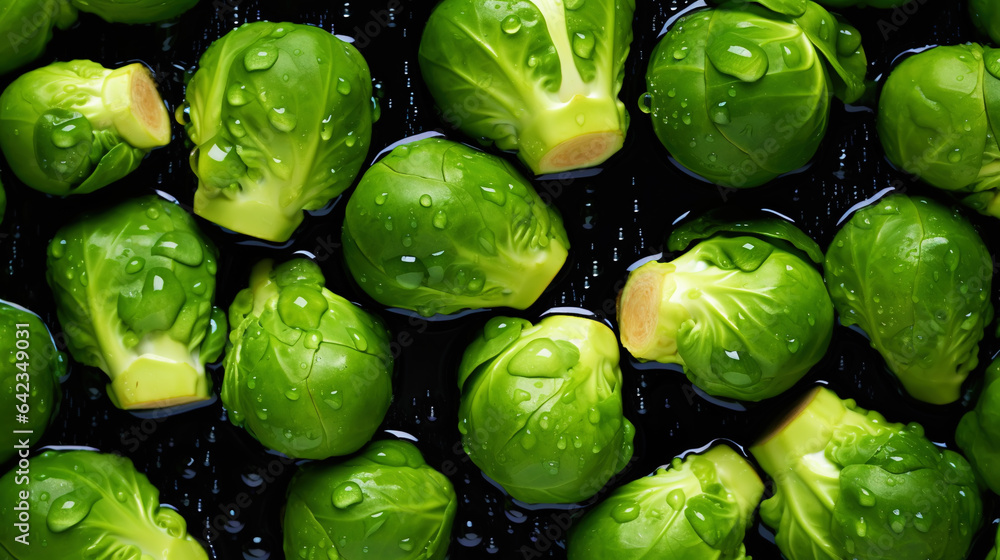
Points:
[938,117]
[883,4]
[538,77]
[30,369]
[436,226]
[84,504]
[308,373]
[698,508]
[26,29]
[385,503]
[744,312]
[135,11]
[851,485]
[978,433]
[281,119]
[986,16]
[133,287]
[741,93]
[915,276]
[74,127]
[541,407]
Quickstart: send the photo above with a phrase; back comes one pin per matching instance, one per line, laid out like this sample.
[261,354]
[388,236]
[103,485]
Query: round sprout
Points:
[938,119]
[915,276]
[436,227]
[385,503]
[308,373]
[541,408]
[740,94]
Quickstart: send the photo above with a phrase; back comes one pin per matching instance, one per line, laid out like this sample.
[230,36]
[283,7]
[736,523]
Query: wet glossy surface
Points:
[231,491]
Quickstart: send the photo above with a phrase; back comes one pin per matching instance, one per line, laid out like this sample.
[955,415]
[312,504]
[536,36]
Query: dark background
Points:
[231,491]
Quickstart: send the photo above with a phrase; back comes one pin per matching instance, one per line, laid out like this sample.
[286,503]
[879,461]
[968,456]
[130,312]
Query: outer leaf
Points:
[385,503]
[134,288]
[84,504]
[773,229]
[437,227]
[270,147]
[307,372]
[915,276]
[544,416]
[698,509]
[978,432]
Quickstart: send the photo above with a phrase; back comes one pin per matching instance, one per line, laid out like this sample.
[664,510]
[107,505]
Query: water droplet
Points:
[511,25]
[70,509]
[792,55]
[260,59]
[672,93]
[343,86]
[793,346]
[737,56]
[262,413]
[583,44]
[720,113]
[236,95]
[381,198]
[676,499]
[408,271]
[865,497]
[426,200]
[292,394]
[282,119]
[494,195]
[347,495]
[955,156]
[351,140]
[625,512]
[335,400]
[440,220]
[580,119]
[646,103]
[528,440]
[135,265]
[574,4]
[712,157]
[406,545]
[681,53]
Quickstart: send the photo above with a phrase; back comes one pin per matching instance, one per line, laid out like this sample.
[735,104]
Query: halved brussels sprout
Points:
[74,127]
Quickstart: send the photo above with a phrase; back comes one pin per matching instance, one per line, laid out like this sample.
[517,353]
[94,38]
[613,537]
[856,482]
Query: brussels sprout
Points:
[744,312]
[83,504]
[978,433]
[741,93]
[26,29]
[133,288]
[937,120]
[436,227]
[915,276]
[308,373]
[281,118]
[541,408]
[884,4]
[698,508]
[74,127]
[986,16]
[385,503]
[851,485]
[538,77]
[135,11]
[30,369]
